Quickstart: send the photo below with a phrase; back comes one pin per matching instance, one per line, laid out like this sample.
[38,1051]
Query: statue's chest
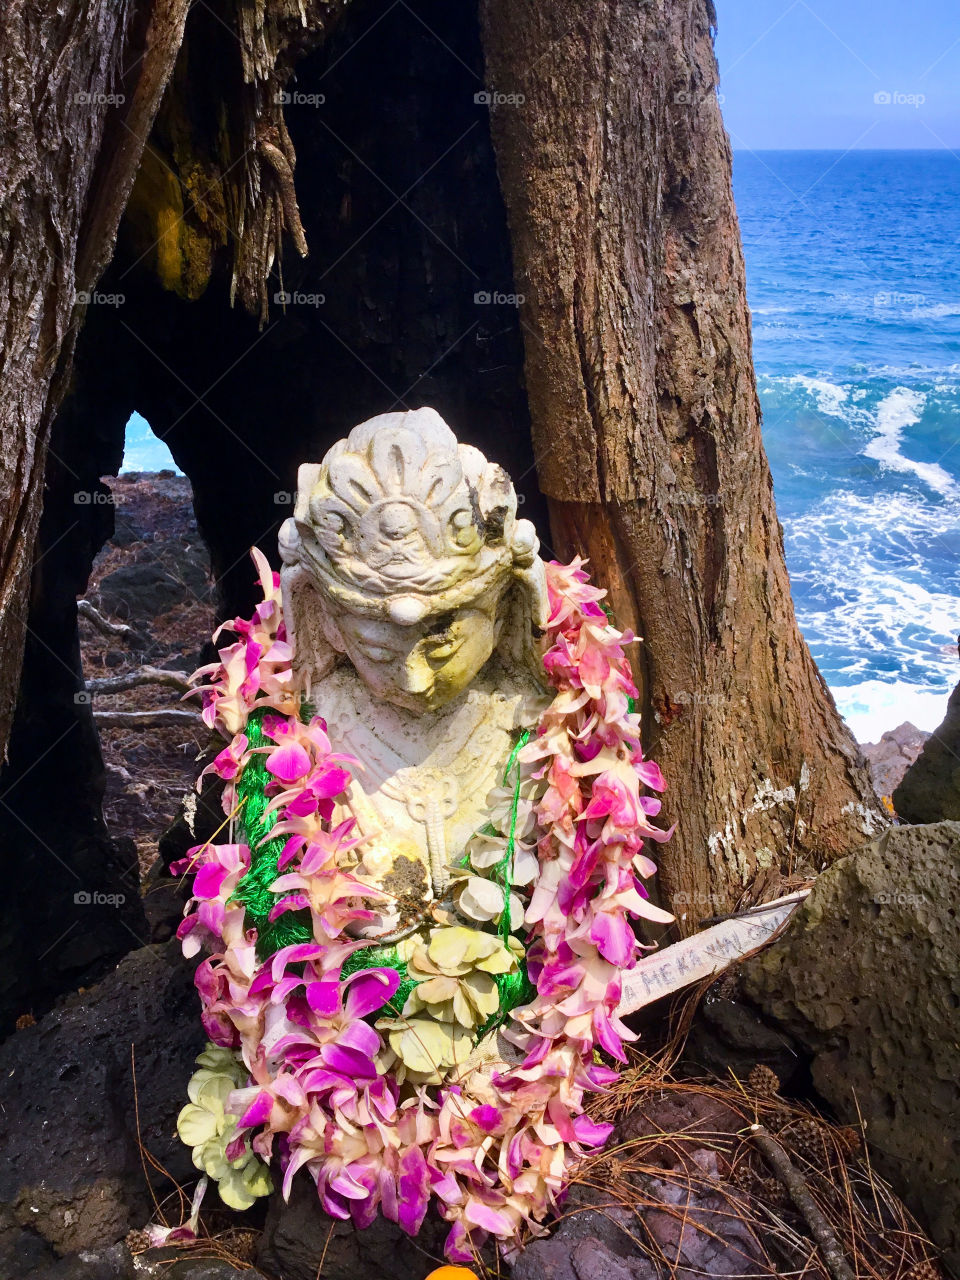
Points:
[423,787]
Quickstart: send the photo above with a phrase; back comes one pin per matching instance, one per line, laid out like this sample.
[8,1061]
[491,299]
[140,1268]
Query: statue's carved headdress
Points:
[399,520]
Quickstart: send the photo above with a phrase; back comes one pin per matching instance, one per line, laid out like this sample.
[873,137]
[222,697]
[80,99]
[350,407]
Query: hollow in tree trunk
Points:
[79,86]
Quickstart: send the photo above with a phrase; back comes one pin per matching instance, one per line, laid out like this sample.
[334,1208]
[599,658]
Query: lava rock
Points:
[589,1244]
[167,1264]
[695,1229]
[26,1256]
[867,979]
[892,756]
[154,585]
[114,1263]
[729,1035]
[72,1171]
[22,1252]
[930,790]
[299,1234]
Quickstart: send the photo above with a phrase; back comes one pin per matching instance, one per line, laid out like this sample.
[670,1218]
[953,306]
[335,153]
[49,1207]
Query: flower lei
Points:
[366,1107]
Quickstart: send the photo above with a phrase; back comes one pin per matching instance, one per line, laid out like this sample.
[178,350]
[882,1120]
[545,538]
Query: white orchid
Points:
[484,900]
[205,1125]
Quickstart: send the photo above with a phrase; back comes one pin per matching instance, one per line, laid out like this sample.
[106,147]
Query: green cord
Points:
[502,871]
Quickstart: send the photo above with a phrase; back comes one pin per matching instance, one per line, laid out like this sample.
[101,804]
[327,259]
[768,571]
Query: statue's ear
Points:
[308,473]
[523,617]
[303,610]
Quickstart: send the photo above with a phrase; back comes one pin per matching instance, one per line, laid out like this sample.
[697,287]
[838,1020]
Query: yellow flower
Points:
[453,974]
[455,994]
[427,1049]
[204,1125]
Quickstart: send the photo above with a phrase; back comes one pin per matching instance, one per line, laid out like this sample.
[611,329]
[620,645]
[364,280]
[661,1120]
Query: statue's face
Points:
[420,666]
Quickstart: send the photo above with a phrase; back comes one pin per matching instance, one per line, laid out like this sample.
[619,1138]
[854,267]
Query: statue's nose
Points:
[417,674]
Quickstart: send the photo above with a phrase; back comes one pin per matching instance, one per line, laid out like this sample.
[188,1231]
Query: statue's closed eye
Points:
[440,650]
[377,653]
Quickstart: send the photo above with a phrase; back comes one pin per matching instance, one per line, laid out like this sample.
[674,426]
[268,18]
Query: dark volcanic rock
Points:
[298,1235]
[155,583]
[867,978]
[589,1244]
[599,1237]
[167,1264]
[730,1035]
[72,1171]
[930,790]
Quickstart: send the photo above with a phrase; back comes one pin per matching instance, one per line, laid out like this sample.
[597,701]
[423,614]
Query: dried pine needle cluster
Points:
[705,1174]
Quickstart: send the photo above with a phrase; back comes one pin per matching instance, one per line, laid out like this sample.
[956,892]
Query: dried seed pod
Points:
[925,1270]
[771,1191]
[764,1082]
[777,1119]
[137,1241]
[805,1137]
[241,1245]
[848,1140]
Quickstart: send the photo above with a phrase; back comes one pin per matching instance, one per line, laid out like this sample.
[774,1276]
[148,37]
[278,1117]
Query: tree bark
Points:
[616,172]
[80,83]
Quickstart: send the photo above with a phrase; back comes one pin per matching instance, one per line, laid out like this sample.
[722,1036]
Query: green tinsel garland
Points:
[254,889]
[293,927]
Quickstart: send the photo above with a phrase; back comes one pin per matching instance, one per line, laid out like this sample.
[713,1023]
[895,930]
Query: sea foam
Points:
[899,409]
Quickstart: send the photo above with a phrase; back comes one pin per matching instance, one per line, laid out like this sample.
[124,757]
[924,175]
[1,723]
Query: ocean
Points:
[853,280]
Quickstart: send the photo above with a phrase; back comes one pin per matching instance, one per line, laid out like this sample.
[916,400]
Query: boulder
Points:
[867,979]
[930,789]
[72,1174]
[298,1235]
[611,1227]
[153,585]
[892,756]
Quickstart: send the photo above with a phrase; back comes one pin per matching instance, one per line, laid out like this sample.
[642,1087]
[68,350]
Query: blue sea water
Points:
[853,279]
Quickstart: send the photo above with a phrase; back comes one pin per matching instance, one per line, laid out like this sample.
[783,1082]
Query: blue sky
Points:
[142,451]
[806,73]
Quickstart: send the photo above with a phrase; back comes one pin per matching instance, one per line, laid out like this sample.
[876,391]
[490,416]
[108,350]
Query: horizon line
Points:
[920,151]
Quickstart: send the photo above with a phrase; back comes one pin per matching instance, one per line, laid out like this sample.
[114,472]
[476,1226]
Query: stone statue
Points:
[415,601]
[422,909]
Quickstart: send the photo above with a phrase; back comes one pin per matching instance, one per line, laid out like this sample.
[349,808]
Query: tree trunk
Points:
[79,86]
[615,168]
